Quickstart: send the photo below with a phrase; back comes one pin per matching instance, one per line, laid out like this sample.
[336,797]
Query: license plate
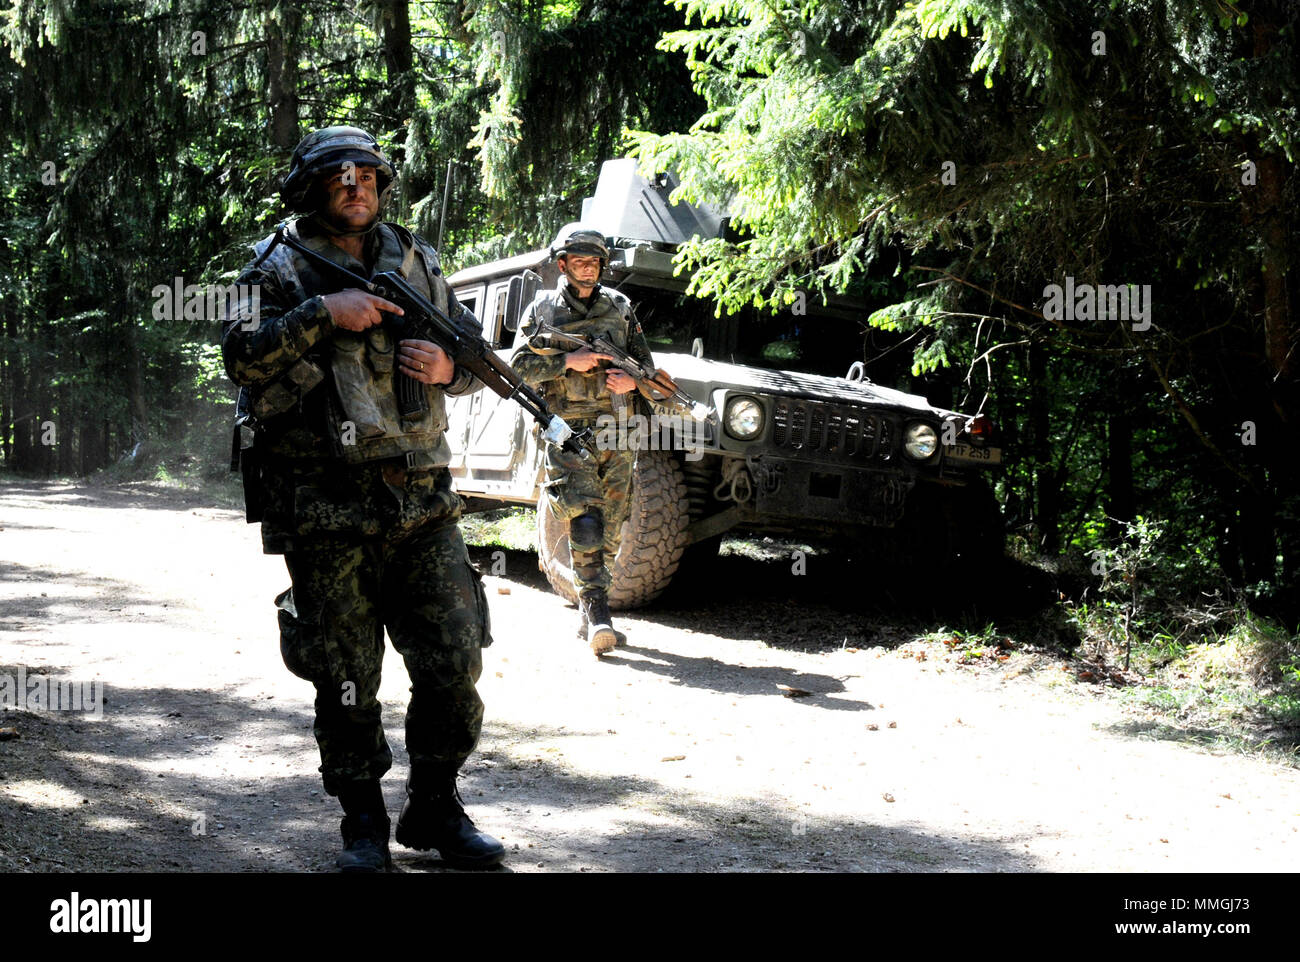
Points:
[968,452]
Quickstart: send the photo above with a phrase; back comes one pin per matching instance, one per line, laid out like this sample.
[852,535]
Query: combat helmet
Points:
[326,150]
[582,240]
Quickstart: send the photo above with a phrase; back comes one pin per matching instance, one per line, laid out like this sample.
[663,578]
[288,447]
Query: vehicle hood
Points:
[720,374]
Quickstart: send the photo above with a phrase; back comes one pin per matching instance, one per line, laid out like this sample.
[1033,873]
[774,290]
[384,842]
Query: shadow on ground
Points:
[134,494]
[69,591]
[805,688]
[129,792]
[655,828]
[825,601]
[78,795]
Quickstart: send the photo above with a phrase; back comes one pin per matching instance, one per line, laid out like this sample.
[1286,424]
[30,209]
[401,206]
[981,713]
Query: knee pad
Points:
[587,531]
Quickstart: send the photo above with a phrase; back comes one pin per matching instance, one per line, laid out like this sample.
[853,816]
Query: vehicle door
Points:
[497,454]
[459,409]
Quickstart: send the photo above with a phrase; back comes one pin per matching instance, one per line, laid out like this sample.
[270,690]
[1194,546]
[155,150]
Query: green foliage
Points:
[972,646]
[565,79]
[1244,675]
[1155,595]
[167,158]
[988,151]
[511,528]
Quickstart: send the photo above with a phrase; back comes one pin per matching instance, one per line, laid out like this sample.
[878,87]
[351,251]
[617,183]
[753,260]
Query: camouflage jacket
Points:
[577,395]
[322,396]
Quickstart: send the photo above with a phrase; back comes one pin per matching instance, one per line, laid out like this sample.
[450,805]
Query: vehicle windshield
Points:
[809,343]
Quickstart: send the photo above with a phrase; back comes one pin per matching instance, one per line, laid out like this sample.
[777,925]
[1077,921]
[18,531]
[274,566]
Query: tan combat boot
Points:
[620,639]
[599,625]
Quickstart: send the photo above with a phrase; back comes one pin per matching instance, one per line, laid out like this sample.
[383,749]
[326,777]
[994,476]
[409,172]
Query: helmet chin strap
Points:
[328,228]
[574,285]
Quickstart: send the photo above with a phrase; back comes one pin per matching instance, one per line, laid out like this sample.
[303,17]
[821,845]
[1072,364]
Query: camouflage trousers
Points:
[599,485]
[419,585]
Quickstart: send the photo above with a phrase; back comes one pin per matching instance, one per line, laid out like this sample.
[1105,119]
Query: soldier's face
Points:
[582,270]
[352,197]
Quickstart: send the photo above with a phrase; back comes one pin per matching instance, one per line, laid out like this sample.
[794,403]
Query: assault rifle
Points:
[654,385]
[423,321]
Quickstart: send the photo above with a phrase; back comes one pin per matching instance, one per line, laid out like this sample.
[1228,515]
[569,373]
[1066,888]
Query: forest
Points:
[1076,218]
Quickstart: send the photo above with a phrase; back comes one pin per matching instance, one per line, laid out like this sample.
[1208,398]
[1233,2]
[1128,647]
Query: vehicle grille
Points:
[812,427]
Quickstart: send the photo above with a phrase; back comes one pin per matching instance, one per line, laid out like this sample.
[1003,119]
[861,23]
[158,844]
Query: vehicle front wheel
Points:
[654,536]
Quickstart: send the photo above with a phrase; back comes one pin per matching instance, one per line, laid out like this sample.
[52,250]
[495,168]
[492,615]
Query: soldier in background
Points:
[357,497]
[590,494]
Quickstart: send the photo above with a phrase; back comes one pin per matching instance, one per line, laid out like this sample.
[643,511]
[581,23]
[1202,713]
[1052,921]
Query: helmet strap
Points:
[573,286]
[326,227]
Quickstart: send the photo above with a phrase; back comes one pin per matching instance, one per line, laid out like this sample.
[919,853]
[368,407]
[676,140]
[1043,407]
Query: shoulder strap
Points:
[622,303]
[407,242]
[281,264]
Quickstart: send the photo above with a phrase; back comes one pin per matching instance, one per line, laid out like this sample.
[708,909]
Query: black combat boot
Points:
[434,818]
[365,843]
[600,626]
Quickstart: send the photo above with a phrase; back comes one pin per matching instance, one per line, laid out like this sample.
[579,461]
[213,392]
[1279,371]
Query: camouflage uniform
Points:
[367,528]
[575,486]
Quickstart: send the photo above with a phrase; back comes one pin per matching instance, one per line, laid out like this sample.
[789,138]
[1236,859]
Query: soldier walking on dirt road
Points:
[354,492]
[589,493]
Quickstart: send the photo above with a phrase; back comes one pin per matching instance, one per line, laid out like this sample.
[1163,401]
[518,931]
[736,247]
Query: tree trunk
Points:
[20,411]
[398,59]
[137,403]
[1258,542]
[66,448]
[1119,467]
[7,372]
[1271,211]
[281,23]
[10,362]
[1279,339]
[1047,492]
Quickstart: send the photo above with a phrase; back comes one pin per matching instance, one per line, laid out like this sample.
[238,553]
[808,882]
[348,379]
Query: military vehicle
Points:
[788,454]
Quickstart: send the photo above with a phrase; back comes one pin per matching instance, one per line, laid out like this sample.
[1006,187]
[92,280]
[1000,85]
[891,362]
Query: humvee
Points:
[789,453]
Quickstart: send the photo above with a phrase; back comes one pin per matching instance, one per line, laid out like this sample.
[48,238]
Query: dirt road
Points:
[684,752]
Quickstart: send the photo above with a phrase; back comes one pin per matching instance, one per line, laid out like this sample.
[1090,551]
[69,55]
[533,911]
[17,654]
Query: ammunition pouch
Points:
[287,390]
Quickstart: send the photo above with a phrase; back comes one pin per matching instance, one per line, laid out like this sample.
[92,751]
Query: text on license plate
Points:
[968,452]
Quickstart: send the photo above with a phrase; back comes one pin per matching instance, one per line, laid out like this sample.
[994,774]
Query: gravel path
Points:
[691,750]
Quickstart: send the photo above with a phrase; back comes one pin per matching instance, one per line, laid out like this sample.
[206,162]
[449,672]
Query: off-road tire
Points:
[654,535]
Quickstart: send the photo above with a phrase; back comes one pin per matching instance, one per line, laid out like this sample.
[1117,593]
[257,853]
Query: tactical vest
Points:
[364,421]
[579,394]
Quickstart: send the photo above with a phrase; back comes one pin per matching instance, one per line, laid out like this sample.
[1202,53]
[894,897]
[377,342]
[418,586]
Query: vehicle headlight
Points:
[744,418]
[920,441]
